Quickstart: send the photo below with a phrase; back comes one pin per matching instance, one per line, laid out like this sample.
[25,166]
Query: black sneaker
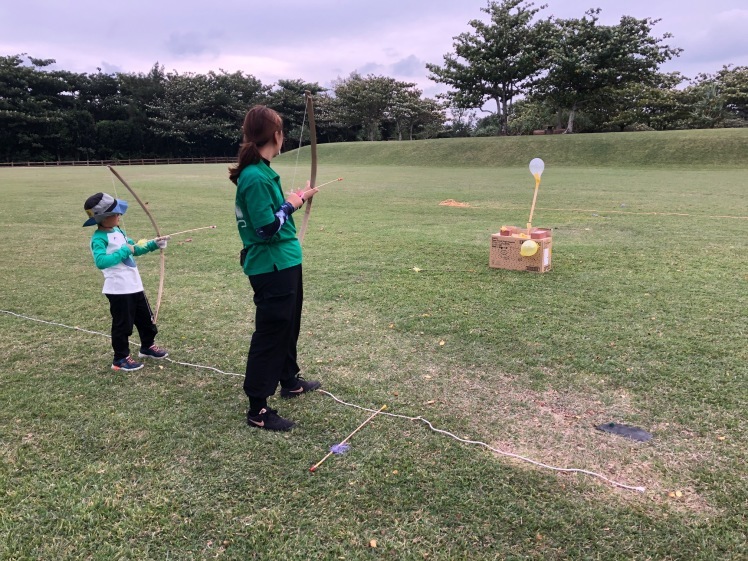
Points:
[269,419]
[127,364]
[305,386]
[153,352]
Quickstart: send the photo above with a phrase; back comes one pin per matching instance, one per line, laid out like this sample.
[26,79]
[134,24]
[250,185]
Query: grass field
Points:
[641,321]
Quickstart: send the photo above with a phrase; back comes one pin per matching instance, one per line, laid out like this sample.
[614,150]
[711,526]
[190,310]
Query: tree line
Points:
[577,75]
[60,115]
[528,73]
[50,114]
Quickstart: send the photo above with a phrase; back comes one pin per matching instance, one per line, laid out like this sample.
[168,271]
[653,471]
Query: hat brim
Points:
[119,208]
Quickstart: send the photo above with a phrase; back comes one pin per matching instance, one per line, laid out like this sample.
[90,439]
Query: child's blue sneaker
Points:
[153,352]
[127,364]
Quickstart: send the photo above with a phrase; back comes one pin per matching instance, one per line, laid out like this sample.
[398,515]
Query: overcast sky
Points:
[321,40]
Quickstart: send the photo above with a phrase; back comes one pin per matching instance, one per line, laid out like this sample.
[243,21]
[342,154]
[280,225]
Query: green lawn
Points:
[641,321]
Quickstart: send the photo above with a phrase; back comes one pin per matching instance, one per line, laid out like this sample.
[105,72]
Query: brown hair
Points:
[260,124]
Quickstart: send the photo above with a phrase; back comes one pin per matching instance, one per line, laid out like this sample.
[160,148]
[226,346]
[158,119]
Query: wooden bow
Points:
[313,147]
[158,234]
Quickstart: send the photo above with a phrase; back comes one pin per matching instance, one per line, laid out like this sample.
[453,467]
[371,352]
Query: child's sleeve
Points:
[147,247]
[101,259]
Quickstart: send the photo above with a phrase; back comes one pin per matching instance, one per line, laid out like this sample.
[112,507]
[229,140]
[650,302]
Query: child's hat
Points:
[101,205]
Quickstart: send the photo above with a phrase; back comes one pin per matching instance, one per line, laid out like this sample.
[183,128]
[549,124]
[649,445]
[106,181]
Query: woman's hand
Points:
[306,193]
[298,198]
[295,199]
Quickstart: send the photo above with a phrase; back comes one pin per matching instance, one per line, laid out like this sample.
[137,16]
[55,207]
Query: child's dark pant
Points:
[128,310]
[278,297]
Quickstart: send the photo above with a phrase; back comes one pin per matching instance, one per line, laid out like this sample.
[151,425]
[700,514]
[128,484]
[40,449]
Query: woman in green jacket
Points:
[271,258]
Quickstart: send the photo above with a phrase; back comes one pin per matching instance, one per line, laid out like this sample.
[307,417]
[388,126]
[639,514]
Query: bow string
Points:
[313,176]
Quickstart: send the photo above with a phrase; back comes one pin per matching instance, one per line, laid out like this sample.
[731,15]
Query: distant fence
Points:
[128,162]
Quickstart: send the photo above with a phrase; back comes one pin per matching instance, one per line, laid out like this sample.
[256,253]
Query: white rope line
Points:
[205,367]
[347,404]
[114,186]
[479,443]
[167,359]
[54,323]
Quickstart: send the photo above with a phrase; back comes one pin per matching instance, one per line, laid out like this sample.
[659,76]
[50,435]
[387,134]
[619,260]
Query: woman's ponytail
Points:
[260,124]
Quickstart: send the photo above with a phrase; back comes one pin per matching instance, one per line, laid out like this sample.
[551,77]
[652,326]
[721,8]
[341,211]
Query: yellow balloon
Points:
[528,248]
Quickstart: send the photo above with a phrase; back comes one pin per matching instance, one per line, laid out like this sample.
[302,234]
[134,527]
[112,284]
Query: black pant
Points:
[278,296]
[128,310]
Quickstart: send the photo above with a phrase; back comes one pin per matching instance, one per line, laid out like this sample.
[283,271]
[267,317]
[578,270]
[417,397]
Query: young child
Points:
[113,253]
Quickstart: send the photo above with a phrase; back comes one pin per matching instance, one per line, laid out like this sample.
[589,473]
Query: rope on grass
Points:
[167,359]
[484,445]
[384,413]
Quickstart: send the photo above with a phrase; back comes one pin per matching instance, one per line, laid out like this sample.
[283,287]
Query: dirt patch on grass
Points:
[452,202]
[552,425]
[558,429]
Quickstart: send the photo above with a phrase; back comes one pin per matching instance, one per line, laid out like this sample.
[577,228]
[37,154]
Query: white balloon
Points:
[536,167]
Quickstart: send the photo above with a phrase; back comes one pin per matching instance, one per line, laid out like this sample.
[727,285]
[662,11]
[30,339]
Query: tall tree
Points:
[35,106]
[200,115]
[720,99]
[331,123]
[496,61]
[586,59]
[413,114]
[287,98]
[656,104]
[366,101]
[461,121]
[138,91]
[101,97]
[734,85]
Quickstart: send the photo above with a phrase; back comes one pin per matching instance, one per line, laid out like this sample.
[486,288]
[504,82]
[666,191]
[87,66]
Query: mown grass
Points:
[641,321]
[718,148]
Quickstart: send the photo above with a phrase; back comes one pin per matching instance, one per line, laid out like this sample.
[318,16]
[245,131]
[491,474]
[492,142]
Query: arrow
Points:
[185,231]
[340,446]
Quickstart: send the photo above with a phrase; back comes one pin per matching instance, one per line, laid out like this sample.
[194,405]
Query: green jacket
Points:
[258,197]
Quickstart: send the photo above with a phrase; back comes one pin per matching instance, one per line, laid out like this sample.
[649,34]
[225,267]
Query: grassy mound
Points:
[672,149]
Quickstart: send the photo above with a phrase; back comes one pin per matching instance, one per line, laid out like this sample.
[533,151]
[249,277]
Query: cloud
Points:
[725,38]
[107,68]
[719,40]
[410,66]
[372,68]
[190,43]
[322,40]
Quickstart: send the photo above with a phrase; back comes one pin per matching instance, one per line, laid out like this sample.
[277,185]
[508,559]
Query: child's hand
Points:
[161,242]
[132,249]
